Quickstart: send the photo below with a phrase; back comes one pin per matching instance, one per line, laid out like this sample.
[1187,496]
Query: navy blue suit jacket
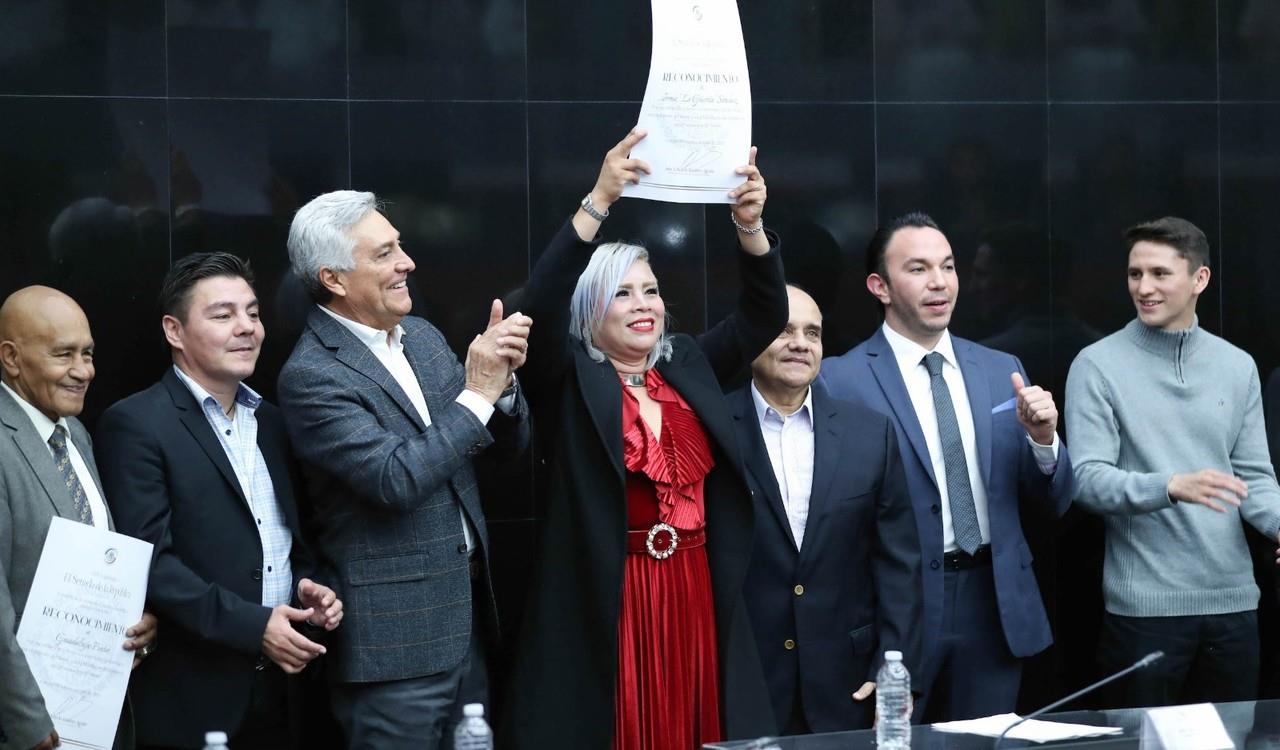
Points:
[858,564]
[869,374]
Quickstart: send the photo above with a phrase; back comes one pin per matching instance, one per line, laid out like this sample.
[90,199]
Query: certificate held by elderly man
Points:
[697,106]
[89,588]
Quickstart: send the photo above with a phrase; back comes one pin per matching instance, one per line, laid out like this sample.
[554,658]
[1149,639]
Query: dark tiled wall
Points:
[136,131]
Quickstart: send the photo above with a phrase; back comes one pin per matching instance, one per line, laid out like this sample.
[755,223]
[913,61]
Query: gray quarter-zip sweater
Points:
[1143,404]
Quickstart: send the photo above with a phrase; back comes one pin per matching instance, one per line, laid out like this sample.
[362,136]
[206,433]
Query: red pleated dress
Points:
[667,695]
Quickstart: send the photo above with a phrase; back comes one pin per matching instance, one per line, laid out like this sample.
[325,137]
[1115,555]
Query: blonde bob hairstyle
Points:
[596,287]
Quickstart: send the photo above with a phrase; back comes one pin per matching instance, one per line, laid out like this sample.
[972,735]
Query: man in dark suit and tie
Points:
[387,423]
[47,469]
[835,568]
[198,464]
[975,441]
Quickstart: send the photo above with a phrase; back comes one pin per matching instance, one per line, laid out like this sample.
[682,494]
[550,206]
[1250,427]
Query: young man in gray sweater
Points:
[1167,430]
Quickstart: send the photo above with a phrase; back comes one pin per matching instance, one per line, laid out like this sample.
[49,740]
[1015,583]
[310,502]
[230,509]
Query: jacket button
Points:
[935,508]
[934,564]
[462,548]
[799,590]
[257,574]
[789,644]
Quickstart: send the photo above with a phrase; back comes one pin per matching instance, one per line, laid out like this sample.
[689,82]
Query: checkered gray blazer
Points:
[383,492]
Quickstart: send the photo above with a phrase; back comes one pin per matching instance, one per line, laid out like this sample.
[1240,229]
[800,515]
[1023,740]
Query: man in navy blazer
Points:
[387,422]
[835,567]
[975,441]
[199,465]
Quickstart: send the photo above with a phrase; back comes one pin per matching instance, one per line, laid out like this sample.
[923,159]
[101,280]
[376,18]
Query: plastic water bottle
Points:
[473,733]
[893,704]
[215,741]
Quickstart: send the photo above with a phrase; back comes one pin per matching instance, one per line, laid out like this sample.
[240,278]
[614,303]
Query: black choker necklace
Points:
[633,379]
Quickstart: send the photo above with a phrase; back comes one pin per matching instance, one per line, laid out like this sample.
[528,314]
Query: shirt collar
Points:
[763,408]
[245,396]
[368,335]
[44,426]
[910,354]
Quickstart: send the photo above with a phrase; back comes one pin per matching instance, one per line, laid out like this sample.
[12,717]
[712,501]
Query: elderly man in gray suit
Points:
[46,470]
[386,423]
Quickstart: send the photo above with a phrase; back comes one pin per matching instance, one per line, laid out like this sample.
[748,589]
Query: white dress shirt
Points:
[789,441]
[389,350]
[910,358]
[238,435]
[44,428]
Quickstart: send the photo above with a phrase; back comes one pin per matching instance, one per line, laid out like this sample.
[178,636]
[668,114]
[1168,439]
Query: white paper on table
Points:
[1032,731]
[697,104]
[1194,727]
[89,588]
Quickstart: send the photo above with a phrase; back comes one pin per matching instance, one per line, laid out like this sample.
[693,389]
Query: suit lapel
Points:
[885,369]
[975,384]
[602,393]
[37,456]
[192,418]
[353,353]
[758,463]
[430,380]
[827,436]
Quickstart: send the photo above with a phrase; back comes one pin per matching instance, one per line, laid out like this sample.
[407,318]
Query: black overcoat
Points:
[566,660]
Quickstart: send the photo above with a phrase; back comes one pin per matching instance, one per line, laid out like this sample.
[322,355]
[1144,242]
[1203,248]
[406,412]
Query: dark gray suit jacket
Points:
[31,494]
[384,491]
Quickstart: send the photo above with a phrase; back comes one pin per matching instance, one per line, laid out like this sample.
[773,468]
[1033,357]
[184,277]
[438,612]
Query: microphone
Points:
[1142,663]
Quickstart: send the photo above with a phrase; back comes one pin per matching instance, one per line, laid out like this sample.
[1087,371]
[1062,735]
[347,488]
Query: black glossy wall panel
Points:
[445,49]
[1116,165]
[74,47]
[138,131]
[294,49]
[239,169]
[1250,262]
[84,207]
[1129,50]
[1249,49]
[959,50]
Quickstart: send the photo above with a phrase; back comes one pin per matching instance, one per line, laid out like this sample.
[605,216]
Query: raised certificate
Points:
[89,588]
[697,105]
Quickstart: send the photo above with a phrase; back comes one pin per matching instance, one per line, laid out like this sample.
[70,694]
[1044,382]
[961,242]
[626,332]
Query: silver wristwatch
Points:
[591,209]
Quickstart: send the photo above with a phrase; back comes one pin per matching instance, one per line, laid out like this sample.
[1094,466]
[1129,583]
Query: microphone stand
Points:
[1142,663]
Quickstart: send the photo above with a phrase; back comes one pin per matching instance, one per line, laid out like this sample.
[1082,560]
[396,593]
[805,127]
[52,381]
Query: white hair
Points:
[596,287]
[319,236]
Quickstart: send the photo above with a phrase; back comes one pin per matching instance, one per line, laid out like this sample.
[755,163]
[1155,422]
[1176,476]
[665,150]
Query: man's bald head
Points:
[46,350]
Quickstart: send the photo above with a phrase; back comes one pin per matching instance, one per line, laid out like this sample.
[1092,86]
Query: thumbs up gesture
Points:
[495,354]
[1036,411]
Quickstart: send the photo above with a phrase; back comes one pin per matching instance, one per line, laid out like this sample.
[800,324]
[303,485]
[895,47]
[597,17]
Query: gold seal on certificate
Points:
[697,105]
[89,588]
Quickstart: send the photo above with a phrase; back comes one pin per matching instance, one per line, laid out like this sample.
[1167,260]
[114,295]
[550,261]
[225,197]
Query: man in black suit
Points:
[199,466]
[835,571]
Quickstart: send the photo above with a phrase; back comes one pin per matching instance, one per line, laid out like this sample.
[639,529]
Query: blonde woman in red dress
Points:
[636,636]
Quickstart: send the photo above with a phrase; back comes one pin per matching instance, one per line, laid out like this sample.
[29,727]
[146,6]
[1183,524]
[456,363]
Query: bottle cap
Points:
[893,656]
[473,709]
[215,738]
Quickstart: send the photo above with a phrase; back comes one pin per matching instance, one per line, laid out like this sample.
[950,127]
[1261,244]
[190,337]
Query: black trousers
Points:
[1206,658]
[266,725]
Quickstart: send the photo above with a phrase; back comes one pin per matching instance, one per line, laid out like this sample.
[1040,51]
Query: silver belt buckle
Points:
[663,554]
